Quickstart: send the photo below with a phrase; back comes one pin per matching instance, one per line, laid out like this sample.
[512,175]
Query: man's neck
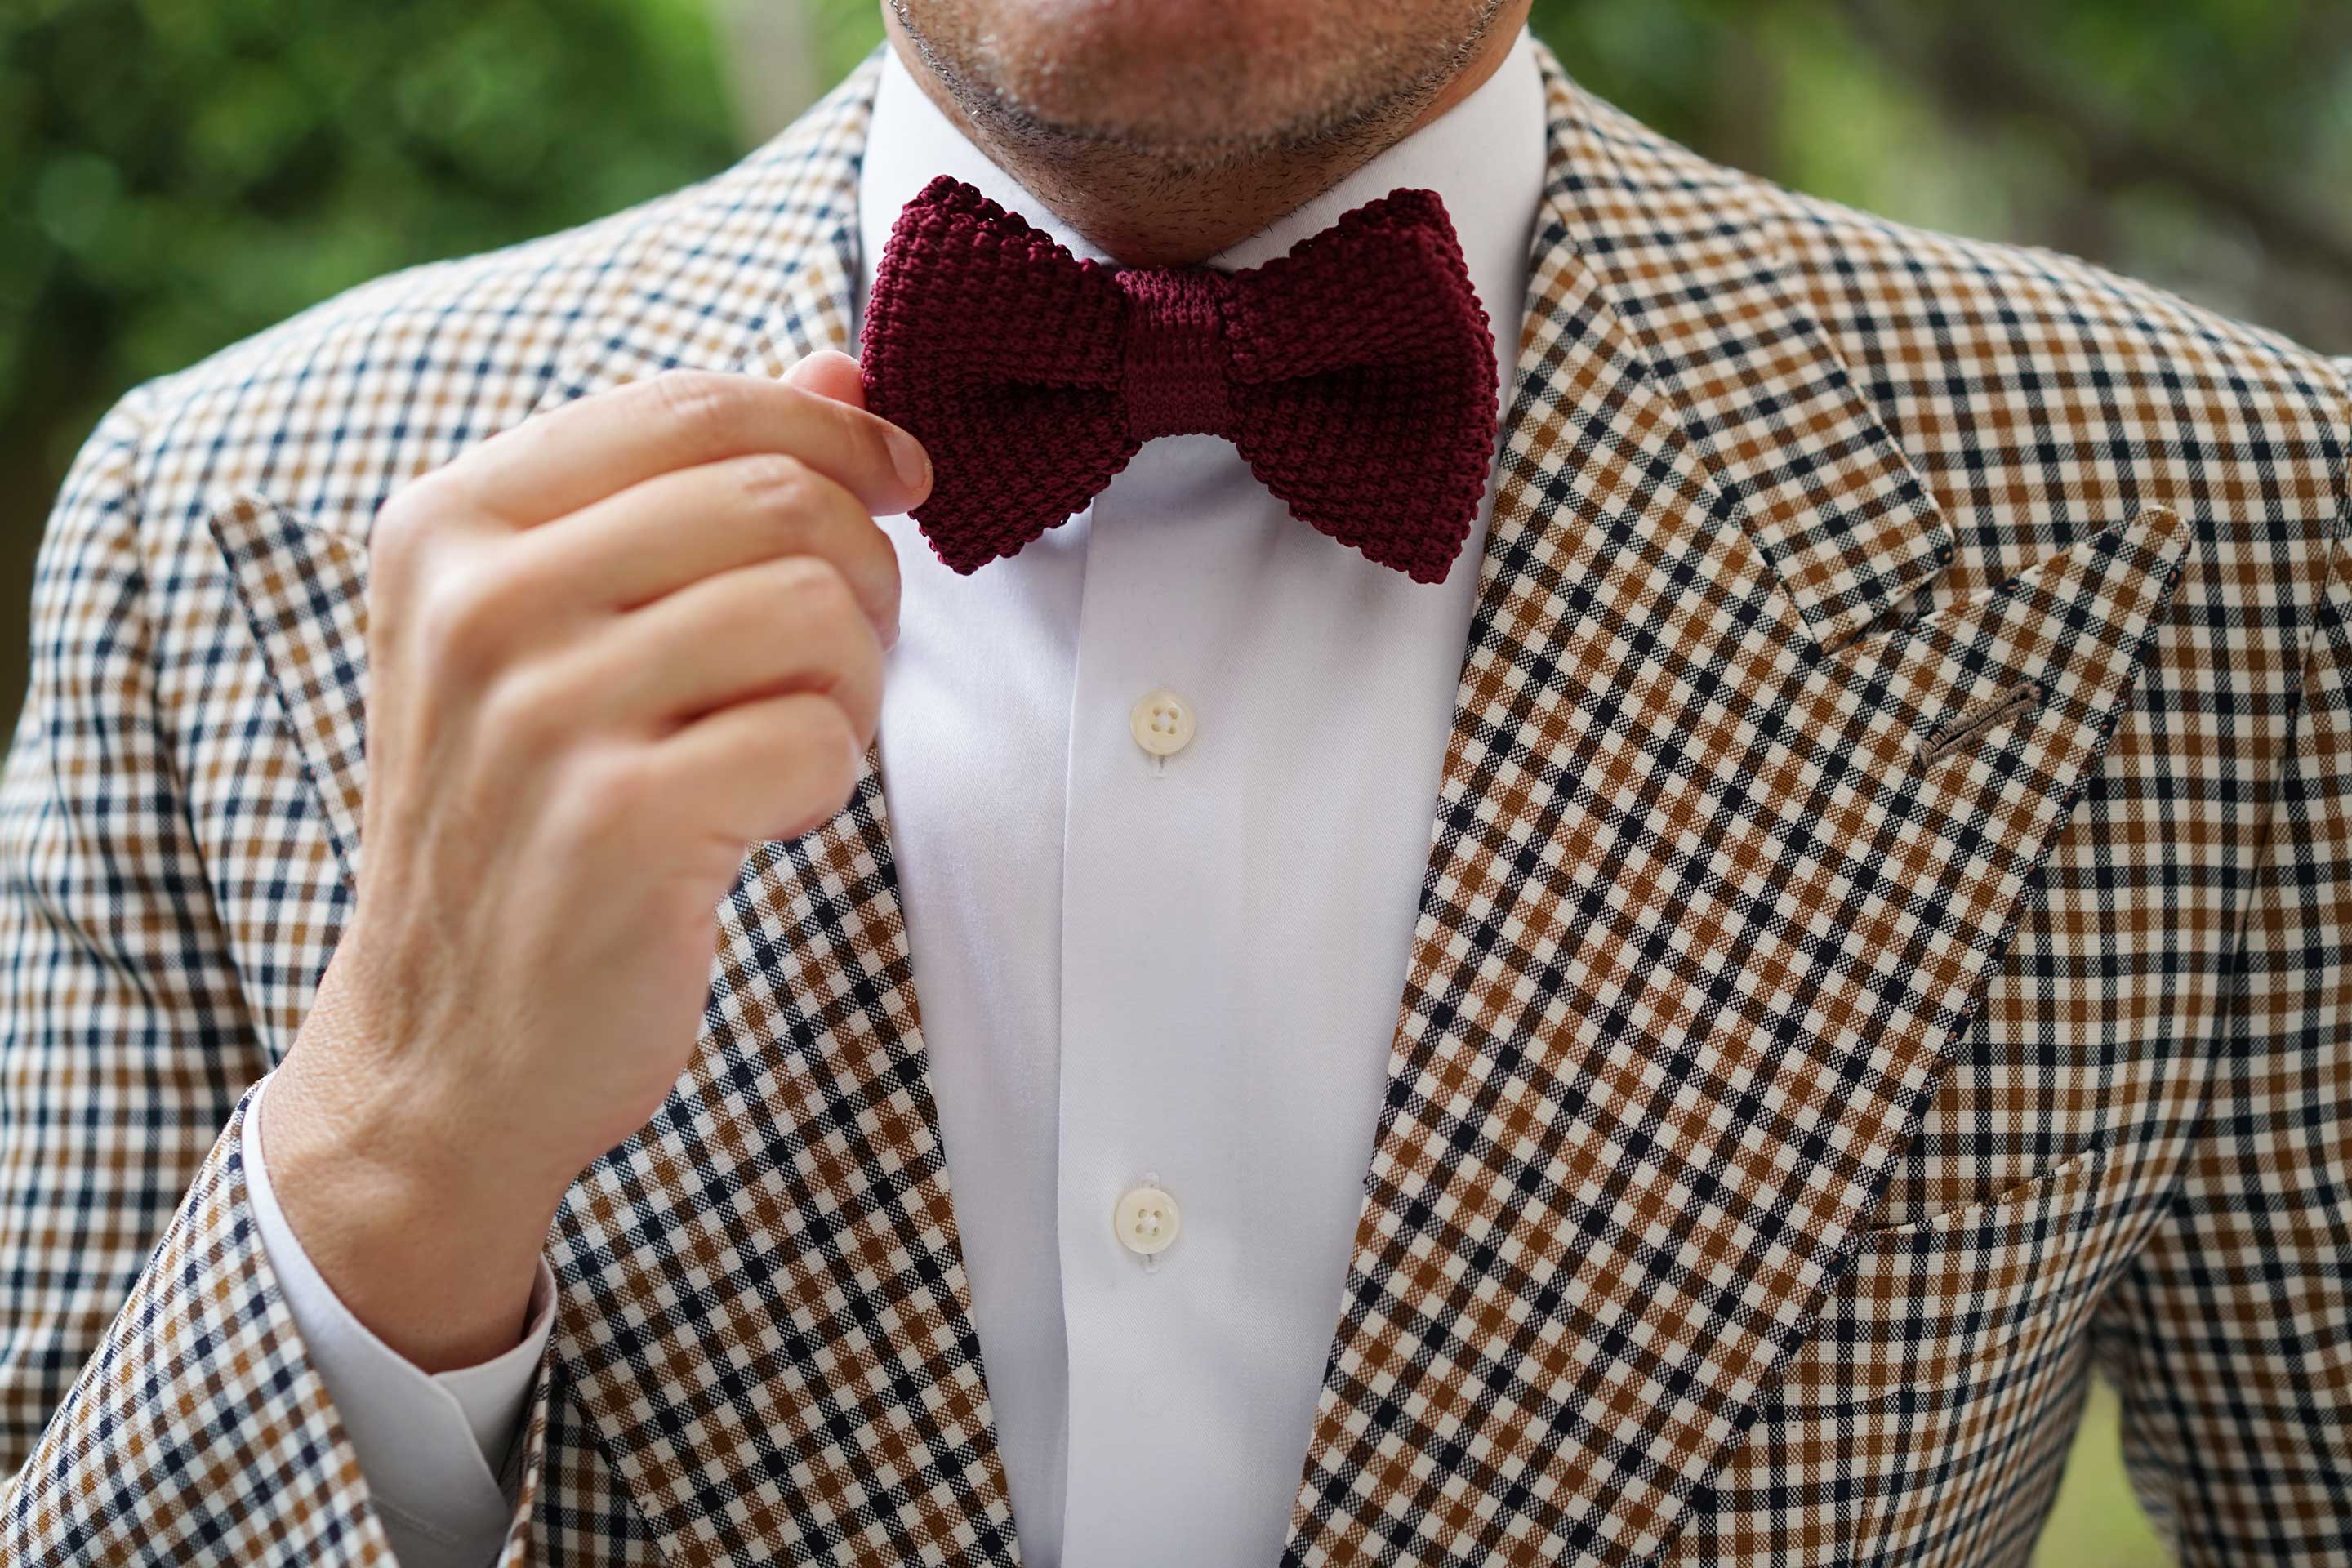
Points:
[1142,212]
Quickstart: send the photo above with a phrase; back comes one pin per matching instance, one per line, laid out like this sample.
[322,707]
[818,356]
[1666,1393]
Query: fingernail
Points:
[914,465]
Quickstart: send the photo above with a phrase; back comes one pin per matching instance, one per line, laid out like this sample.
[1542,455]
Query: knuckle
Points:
[607,793]
[892,577]
[849,750]
[775,487]
[853,683]
[863,434]
[817,592]
[863,724]
[832,758]
[406,524]
[528,709]
[465,619]
[695,401]
[858,689]
[818,763]
[835,622]
[536,439]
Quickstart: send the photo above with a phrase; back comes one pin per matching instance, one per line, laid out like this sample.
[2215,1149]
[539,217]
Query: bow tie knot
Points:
[1176,358]
[1355,375]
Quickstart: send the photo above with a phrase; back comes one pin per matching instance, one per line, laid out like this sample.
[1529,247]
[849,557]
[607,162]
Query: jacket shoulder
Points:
[2039,398]
[433,356]
[2014,376]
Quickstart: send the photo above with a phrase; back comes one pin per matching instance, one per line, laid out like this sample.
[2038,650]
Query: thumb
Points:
[829,374]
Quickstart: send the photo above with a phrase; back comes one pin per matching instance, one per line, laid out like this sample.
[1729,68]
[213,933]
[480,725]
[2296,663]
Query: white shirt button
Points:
[1163,723]
[1147,1220]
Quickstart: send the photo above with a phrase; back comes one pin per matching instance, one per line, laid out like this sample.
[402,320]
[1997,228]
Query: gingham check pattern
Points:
[1784,1111]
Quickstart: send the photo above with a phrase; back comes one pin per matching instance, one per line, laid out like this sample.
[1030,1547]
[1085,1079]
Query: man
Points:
[1665,1006]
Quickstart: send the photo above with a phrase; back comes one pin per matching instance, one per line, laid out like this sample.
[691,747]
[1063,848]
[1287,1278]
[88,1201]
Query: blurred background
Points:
[175,175]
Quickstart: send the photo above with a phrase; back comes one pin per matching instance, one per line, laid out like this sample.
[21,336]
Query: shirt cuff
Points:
[432,1446]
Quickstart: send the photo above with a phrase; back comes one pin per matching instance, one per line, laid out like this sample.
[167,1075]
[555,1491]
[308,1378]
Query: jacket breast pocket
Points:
[1931,1406]
[1955,1302]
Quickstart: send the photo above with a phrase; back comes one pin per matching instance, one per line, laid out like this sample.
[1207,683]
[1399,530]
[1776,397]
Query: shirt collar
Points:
[1484,158]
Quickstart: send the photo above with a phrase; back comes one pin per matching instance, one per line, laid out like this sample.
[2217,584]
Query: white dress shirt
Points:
[1179,970]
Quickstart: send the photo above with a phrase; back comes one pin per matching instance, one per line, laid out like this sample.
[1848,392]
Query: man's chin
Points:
[1194,82]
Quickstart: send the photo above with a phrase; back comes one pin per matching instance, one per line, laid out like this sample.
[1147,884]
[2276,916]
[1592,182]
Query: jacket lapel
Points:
[304,592]
[1722,860]
[767,1318]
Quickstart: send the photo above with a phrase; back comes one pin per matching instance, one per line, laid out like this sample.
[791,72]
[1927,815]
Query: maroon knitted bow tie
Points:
[1356,375]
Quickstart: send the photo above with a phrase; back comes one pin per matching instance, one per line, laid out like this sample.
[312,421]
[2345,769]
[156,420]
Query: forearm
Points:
[405,1209]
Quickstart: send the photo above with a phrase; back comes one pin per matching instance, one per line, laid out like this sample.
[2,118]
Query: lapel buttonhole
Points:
[2025,696]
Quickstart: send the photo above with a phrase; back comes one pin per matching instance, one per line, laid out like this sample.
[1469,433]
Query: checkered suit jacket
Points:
[1882,951]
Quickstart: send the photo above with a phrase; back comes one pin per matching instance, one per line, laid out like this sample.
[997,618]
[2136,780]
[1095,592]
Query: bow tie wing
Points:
[1000,352]
[1364,384]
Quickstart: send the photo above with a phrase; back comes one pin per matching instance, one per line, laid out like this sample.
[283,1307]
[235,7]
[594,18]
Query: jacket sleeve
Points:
[156,1403]
[2231,1341]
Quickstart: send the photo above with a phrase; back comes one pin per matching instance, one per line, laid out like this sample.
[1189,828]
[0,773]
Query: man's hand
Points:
[609,648]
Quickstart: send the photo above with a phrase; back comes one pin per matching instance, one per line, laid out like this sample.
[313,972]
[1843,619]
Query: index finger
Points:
[555,463]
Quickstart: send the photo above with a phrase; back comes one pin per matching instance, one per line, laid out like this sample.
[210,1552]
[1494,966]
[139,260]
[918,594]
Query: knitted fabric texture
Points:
[1356,375]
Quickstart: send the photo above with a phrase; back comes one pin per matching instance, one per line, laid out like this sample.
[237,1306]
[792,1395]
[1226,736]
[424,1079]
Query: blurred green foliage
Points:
[174,174]
[2096,1522]
[177,174]
[2204,144]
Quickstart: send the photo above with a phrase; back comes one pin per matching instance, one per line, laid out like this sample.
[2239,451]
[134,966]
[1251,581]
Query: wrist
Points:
[417,1227]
